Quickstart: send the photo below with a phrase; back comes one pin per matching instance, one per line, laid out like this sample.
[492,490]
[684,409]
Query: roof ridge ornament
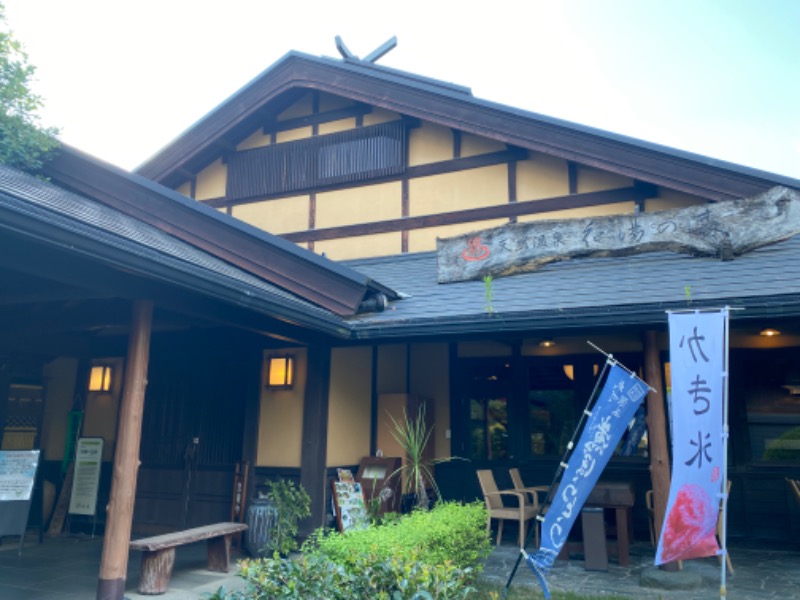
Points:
[372,57]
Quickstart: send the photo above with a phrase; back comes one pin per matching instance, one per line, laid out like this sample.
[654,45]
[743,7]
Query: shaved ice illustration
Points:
[690,526]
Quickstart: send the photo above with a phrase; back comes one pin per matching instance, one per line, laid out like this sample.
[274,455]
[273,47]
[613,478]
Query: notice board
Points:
[88,462]
[17,476]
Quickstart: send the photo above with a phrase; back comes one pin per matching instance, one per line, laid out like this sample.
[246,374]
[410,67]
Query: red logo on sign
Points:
[475,250]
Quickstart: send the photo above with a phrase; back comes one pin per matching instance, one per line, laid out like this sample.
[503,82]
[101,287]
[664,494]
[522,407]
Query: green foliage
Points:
[784,447]
[428,555]
[23,143]
[413,436]
[449,532]
[313,577]
[293,504]
[489,293]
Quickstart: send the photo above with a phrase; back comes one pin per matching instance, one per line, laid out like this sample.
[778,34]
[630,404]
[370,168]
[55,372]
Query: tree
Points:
[24,143]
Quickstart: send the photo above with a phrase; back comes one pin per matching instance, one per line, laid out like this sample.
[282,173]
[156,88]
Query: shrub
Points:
[432,555]
[450,532]
[314,577]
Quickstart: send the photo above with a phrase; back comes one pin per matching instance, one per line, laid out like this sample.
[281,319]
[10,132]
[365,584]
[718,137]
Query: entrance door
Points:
[191,443]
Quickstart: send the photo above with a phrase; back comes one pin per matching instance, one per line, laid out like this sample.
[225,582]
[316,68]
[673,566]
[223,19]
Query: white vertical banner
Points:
[698,358]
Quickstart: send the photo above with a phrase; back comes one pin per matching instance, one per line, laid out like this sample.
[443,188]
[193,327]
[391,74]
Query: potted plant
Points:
[413,435]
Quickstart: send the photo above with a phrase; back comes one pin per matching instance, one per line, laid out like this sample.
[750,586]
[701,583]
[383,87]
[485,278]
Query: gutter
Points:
[652,315]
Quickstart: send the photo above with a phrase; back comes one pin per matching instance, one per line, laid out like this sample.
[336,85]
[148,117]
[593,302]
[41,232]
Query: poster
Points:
[88,462]
[17,474]
[351,511]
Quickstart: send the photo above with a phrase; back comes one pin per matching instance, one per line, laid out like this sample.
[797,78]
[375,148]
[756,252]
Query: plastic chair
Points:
[497,510]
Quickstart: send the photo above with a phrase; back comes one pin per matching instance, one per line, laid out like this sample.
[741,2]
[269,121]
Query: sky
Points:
[720,78]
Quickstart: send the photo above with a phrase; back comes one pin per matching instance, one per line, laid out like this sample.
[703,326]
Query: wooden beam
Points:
[358,110]
[572,177]
[512,186]
[405,210]
[114,561]
[500,211]
[456,143]
[657,433]
[252,373]
[313,459]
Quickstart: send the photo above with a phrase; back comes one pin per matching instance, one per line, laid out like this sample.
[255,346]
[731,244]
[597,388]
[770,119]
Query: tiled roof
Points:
[85,219]
[580,292]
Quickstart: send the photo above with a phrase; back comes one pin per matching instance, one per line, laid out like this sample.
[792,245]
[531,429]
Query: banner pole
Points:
[592,398]
[723,591]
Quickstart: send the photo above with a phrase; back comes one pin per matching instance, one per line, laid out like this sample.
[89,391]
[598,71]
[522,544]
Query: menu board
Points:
[351,512]
[17,474]
[88,461]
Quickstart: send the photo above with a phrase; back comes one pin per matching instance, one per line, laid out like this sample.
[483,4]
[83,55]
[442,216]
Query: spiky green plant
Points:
[413,435]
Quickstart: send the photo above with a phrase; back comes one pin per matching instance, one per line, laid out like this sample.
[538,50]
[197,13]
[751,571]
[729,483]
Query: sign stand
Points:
[86,480]
[17,476]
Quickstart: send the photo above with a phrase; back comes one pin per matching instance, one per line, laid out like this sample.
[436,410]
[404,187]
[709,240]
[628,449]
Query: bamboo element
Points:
[114,562]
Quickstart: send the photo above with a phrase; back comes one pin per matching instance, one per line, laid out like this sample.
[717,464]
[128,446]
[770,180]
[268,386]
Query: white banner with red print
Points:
[698,350]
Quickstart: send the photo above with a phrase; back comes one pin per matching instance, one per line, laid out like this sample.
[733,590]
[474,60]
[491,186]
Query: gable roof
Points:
[451,106]
[305,274]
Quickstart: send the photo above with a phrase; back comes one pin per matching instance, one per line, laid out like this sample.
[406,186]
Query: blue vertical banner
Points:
[697,352]
[618,401]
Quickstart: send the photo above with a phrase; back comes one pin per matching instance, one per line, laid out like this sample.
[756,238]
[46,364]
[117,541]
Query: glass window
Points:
[487,390]
[551,404]
[772,398]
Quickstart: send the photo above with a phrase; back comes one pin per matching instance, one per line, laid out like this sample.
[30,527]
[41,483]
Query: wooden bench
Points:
[159,553]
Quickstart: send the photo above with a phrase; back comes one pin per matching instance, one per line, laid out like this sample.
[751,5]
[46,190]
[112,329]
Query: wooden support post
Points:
[657,434]
[156,571]
[119,519]
[219,553]
[313,460]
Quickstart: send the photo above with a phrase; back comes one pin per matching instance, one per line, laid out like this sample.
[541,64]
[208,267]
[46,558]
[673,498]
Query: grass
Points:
[493,591]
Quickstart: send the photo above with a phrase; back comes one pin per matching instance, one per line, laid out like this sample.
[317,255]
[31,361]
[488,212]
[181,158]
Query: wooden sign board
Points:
[722,229]
[351,510]
[86,479]
[375,476]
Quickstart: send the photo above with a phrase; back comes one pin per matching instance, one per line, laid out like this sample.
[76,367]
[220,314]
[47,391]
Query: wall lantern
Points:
[547,343]
[100,378]
[280,372]
[769,332]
